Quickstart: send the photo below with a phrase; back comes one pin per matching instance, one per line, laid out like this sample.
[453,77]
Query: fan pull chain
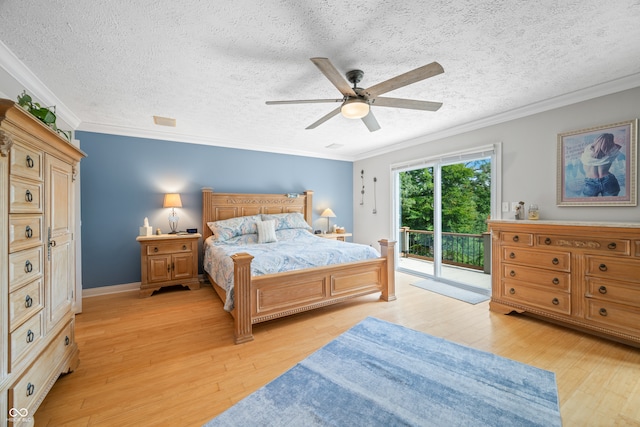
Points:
[362,191]
[374,195]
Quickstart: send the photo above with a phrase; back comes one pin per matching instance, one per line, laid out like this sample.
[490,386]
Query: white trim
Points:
[113,289]
[23,75]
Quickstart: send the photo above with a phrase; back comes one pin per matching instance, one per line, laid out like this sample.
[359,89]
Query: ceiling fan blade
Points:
[334,76]
[324,118]
[405,79]
[370,121]
[303,101]
[411,104]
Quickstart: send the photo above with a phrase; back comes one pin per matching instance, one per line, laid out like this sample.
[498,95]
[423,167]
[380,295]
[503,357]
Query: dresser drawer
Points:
[24,303]
[614,316]
[604,245]
[168,248]
[25,196]
[510,238]
[558,302]
[39,377]
[24,266]
[26,162]
[610,290]
[552,279]
[560,261]
[25,231]
[613,268]
[24,338]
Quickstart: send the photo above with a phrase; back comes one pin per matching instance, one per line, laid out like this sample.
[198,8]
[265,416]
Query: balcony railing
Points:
[464,250]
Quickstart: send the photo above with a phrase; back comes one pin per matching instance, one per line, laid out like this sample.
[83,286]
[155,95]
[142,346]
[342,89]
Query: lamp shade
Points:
[172,200]
[354,109]
[328,213]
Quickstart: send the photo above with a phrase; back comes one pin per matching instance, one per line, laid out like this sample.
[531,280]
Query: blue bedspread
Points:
[295,249]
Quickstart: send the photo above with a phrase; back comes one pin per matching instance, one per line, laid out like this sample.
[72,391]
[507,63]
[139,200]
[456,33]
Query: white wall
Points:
[529,150]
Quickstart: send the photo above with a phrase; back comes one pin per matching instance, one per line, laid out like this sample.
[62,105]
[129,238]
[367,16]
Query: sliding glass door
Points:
[442,208]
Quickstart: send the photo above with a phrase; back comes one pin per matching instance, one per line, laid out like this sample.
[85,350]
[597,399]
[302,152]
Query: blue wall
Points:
[124,179]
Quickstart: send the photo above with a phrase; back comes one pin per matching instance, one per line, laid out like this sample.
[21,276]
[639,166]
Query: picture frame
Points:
[598,166]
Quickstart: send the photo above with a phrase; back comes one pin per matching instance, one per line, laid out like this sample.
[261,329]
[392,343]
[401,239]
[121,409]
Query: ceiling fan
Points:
[357,102]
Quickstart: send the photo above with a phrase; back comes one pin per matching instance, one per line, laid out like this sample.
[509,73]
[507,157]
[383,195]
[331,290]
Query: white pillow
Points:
[266,231]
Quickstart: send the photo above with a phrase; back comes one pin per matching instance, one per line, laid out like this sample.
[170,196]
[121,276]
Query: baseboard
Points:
[126,287]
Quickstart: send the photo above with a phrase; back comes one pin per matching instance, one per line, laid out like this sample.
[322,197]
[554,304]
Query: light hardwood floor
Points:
[169,360]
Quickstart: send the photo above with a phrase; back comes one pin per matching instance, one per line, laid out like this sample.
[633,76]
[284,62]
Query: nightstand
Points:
[335,236]
[167,260]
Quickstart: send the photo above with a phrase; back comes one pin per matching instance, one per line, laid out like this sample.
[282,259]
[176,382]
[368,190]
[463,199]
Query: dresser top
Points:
[567,223]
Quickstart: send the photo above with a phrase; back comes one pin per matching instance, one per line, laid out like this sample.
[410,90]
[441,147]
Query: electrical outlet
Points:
[514,205]
[505,206]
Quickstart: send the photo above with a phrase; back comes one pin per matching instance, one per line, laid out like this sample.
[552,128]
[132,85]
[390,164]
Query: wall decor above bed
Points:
[262,278]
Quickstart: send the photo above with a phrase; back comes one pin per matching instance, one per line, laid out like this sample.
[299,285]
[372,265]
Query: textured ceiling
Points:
[212,65]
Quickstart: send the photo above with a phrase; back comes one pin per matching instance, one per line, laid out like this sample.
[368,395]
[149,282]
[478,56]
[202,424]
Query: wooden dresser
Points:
[37,261]
[579,274]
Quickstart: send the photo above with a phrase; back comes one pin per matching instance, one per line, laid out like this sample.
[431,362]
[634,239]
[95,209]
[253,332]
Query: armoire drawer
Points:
[24,266]
[25,196]
[557,280]
[24,338]
[558,302]
[26,162]
[555,260]
[24,303]
[25,231]
[38,378]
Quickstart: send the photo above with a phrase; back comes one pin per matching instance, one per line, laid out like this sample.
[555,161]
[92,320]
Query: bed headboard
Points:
[218,206]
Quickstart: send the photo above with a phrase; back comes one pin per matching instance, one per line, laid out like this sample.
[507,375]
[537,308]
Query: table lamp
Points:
[328,213]
[172,200]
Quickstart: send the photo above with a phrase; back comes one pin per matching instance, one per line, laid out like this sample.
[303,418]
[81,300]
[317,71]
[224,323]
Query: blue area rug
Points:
[451,291]
[382,374]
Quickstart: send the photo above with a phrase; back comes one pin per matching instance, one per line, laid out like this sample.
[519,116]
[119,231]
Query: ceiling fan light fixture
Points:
[354,109]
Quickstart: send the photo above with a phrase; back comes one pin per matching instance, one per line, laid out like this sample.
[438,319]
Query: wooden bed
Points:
[262,298]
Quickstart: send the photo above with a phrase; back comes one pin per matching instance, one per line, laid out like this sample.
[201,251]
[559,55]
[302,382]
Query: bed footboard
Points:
[259,299]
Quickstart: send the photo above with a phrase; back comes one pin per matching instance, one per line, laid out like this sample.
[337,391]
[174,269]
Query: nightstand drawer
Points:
[168,248]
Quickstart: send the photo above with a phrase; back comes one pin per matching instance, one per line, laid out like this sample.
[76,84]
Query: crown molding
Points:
[608,88]
[32,84]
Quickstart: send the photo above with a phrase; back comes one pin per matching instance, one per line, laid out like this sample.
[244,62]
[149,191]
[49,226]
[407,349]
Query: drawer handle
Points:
[30,163]
[184,247]
[28,301]
[547,241]
[30,336]
[28,232]
[555,281]
[155,249]
[602,312]
[30,389]
[602,267]
[28,267]
[28,196]
[66,340]
[602,289]
[555,301]
[512,273]
[612,245]
[516,238]
[512,291]
[555,261]
[512,255]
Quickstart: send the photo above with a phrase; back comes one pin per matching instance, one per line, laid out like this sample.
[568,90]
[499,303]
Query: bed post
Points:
[207,211]
[308,207]
[242,297]
[387,249]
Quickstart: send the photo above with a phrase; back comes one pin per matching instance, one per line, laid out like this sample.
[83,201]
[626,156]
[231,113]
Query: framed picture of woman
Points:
[597,166]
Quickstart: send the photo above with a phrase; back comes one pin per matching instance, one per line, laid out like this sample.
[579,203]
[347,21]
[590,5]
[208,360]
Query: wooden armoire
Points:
[37,261]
